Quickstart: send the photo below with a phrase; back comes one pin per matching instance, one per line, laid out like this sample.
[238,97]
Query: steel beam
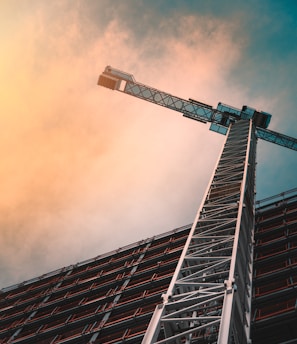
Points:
[209,298]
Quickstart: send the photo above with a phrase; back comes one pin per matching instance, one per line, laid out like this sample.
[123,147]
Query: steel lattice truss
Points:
[220,118]
[210,291]
[167,100]
[279,139]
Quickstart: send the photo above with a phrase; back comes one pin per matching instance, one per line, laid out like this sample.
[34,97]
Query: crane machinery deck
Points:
[210,292]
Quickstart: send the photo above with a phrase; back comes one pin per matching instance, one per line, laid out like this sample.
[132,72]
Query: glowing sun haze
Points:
[83,169]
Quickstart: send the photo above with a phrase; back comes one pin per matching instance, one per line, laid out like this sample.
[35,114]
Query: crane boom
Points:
[220,117]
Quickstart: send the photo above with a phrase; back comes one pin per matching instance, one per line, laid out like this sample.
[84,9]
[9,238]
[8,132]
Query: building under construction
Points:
[111,298]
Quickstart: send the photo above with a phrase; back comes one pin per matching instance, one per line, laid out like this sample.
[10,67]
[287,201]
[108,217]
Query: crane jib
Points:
[220,118]
[167,100]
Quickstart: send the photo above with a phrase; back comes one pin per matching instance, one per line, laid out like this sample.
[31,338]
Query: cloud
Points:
[87,170]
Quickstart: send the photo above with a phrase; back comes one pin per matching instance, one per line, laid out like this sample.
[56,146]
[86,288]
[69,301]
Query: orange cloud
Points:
[86,170]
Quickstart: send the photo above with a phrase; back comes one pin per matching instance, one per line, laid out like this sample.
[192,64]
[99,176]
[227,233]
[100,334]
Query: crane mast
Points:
[209,297]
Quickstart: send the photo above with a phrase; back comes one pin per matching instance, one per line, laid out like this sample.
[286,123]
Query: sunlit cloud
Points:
[85,169]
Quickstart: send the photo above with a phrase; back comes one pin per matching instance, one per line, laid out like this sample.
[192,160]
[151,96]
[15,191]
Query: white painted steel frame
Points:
[209,297]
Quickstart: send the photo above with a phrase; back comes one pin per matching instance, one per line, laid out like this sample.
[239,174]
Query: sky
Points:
[85,170]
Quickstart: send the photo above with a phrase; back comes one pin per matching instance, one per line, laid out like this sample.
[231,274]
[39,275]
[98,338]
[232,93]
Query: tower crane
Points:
[209,297]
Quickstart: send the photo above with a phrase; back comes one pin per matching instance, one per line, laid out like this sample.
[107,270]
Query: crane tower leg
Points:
[209,297]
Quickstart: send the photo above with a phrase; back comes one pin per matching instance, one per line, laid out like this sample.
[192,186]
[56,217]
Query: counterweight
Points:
[209,297]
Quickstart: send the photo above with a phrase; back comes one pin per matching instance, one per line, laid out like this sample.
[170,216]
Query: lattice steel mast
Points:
[209,297]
